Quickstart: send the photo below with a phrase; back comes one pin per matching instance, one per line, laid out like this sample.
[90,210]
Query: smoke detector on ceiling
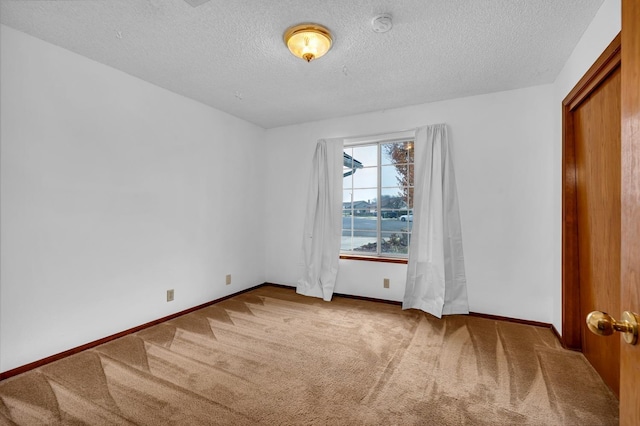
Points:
[382,23]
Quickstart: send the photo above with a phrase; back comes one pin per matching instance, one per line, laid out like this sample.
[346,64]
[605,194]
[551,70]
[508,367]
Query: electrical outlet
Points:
[386,283]
[169,295]
[228,280]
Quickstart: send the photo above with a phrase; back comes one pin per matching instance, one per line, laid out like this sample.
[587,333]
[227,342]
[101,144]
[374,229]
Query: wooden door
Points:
[591,205]
[596,126]
[630,248]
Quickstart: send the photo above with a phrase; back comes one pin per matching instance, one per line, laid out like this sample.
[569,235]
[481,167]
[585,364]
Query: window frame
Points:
[379,141]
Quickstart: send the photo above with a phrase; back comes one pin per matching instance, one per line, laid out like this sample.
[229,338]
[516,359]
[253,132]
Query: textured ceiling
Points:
[230,54]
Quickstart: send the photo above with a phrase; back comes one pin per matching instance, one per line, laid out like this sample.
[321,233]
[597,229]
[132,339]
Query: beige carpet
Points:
[271,357]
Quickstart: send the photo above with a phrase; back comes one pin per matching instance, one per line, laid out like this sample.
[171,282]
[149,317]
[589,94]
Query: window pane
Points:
[395,224]
[407,220]
[366,178]
[360,224]
[347,224]
[404,174]
[365,245]
[366,154]
[346,199]
[393,198]
[347,165]
[346,243]
[409,192]
[364,201]
[347,181]
[359,241]
[410,152]
[397,153]
[392,175]
[395,243]
[389,214]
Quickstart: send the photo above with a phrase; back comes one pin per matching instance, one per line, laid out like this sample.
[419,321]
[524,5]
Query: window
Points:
[377,201]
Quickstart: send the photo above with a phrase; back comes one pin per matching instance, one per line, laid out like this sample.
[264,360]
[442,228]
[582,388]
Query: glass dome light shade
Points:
[308,41]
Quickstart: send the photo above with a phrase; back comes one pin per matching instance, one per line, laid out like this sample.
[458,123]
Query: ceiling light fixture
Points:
[308,41]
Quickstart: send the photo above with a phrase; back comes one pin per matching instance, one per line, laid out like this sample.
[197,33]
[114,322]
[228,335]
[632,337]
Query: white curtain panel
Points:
[436,281]
[323,221]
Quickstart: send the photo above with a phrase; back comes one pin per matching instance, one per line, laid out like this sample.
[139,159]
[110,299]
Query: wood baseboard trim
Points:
[563,341]
[525,322]
[509,319]
[348,296]
[56,357]
[369,299]
[93,344]
[374,258]
[474,314]
[278,285]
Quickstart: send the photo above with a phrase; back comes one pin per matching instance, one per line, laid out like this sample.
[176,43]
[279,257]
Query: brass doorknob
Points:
[603,324]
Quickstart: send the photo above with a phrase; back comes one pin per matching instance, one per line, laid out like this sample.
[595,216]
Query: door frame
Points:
[572,319]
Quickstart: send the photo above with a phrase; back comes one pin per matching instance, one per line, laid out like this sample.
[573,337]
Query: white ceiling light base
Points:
[196,3]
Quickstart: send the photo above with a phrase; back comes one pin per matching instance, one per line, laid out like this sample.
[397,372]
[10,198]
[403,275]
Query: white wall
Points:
[602,30]
[113,191]
[504,169]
